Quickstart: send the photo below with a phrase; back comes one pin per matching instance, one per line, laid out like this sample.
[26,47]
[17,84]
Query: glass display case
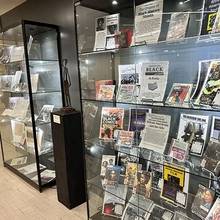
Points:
[30,88]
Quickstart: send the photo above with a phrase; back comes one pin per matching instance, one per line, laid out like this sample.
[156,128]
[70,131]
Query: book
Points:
[106,160]
[30,168]
[142,184]
[46,176]
[211,157]
[137,118]
[175,184]
[156,132]
[44,114]
[6,82]
[214,212]
[20,108]
[181,216]
[178,26]
[177,94]
[106,92]
[111,120]
[137,208]
[125,138]
[178,150]
[131,173]
[29,136]
[123,38]
[34,82]
[193,130]
[203,201]
[112,175]
[216,26]
[155,166]
[114,201]
[215,128]
[5,54]
[18,161]
[102,82]
[153,81]
[125,93]
[158,212]
[17,130]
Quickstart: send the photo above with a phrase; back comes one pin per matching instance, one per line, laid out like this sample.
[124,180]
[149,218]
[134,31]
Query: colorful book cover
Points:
[214,212]
[102,82]
[106,160]
[111,120]
[125,138]
[125,93]
[106,92]
[112,175]
[137,118]
[123,38]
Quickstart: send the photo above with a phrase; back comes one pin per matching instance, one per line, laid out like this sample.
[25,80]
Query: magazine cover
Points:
[178,26]
[6,82]
[131,173]
[193,130]
[128,74]
[181,216]
[203,201]
[142,184]
[114,201]
[125,93]
[102,82]
[123,38]
[106,92]
[155,165]
[175,184]
[137,118]
[178,150]
[216,26]
[112,175]
[111,120]
[211,158]
[125,156]
[158,212]
[214,213]
[5,54]
[177,94]
[106,160]
[215,128]
[153,80]
[44,115]
[125,138]
[137,208]
[210,86]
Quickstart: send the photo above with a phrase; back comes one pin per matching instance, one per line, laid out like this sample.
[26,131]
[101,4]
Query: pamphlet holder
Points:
[68,157]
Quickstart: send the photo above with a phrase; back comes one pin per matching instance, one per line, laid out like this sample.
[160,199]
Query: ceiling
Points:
[7,5]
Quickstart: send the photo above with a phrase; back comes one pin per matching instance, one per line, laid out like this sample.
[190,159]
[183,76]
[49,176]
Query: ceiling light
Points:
[114,2]
[181,3]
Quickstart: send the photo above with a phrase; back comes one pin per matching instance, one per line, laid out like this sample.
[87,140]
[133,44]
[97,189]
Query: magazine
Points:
[6,82]
[153,80]
[106,28]
[125,138]
[112,175]
[102,82]
[30,168]
[147,22]
[17,130]
[178,26]
[20,108]
[106,160]
[202,202]
[106,92]
[114,201]
[211,158]
[193,130]
[123,38]
[111,120]
[34,82]
[125,93]
[137,208]
[18,161]
[137,118]
[158,212]
[5,54]
[156,132]
[181,216]
[216,26]
[177,94]
[46,176]
[175,184]
[44,115]
[155,165]
[215,128]
[214,212]
[142,184]
[178,150]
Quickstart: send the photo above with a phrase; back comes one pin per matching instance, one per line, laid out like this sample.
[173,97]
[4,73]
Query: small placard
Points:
[56,119]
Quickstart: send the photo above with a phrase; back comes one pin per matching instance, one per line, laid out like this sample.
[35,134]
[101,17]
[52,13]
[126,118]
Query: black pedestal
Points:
[68,157]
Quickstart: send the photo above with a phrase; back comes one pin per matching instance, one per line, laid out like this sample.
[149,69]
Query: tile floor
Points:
[20,201]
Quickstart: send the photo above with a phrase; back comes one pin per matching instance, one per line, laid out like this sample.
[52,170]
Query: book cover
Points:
[137,208]
[216,26]
[215,128]
[17,130]
[193,130]
[203,201]
[111,120]
[178,26]
[137,118]
[112,175]
[44,114]
[125,138]
[123,38]
[177,94]
[125,93]
[114,201]
[143,182]
[214,212]
[158,212]
[178,150]
[211,157]
[102,82]
[106,160]
[106,92]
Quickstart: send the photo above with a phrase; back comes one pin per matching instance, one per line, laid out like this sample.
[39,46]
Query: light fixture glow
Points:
[114,2]
[181,3]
